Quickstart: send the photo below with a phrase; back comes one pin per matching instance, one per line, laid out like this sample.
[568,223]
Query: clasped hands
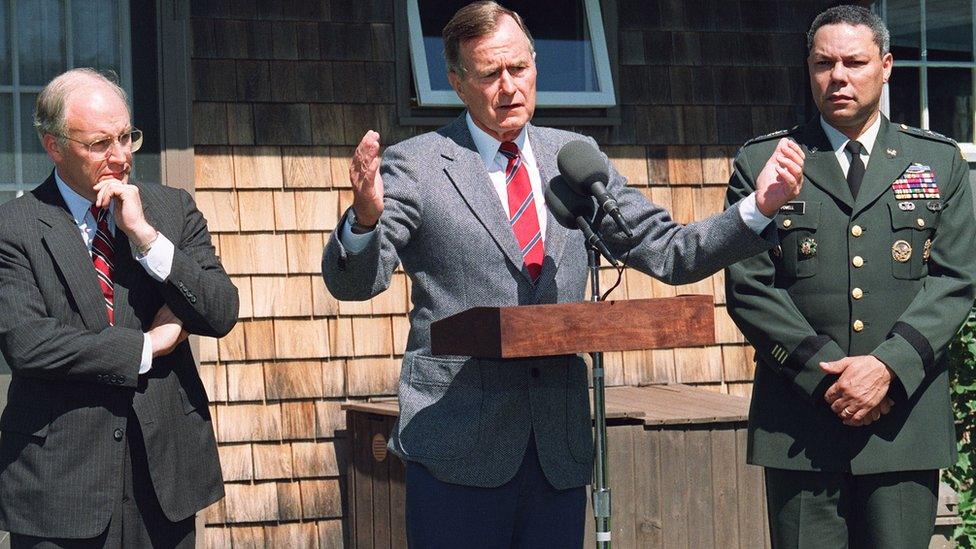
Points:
[859,397]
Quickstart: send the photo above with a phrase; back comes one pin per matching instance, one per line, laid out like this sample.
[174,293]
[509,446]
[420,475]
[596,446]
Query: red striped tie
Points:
[103,256]
[521,208]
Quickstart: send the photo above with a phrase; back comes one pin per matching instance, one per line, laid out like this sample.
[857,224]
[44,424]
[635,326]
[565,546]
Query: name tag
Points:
[797,207]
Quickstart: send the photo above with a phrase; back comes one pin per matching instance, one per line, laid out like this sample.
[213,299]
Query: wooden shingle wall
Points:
[284,89]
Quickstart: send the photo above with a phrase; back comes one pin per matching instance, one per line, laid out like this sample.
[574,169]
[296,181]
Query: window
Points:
[932,83]
[39,39]
[571,52]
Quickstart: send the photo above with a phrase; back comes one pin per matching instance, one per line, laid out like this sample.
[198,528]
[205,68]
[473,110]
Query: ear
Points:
[52,147]
[455,82]
[886,62]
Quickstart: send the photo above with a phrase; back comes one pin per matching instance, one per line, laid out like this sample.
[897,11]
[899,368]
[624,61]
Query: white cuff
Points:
[158,261]
[146,363]
[751,215]
[352,242]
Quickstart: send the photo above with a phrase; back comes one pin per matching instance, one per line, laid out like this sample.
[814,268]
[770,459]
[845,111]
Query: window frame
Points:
[410,113]
[15,90]
[923,64]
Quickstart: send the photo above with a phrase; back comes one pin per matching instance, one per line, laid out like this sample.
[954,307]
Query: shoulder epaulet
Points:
[931,135]
[773,135]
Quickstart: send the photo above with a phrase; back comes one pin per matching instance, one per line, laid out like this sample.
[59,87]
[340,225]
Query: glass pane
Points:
[37,165]
[95,34]
[904,23]
[40,40]
[7,172]
[949,30]
[903,95]
[6,75]
[564,53]
[951,103]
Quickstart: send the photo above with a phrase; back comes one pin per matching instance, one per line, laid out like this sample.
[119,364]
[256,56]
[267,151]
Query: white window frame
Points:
[923,64]
[427,97]
[15,89]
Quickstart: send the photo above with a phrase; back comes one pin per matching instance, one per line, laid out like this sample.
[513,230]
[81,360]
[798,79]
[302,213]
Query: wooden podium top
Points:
[569,328]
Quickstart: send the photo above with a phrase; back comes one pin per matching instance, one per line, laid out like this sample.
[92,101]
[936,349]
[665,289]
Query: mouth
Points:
[510,107]
[839,99]
[119,175]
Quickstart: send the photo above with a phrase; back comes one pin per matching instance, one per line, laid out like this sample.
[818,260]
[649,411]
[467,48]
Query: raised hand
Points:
[367,185]
[129,216]
[781,178]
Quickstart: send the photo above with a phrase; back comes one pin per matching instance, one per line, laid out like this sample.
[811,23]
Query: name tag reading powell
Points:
[797,207]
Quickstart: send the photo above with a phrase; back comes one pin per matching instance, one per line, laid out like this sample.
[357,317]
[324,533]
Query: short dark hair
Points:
[852,15]
[472,21]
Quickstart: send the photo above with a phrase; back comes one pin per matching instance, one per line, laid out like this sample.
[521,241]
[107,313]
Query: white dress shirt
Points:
[495,162]
[157,262]
[838,141]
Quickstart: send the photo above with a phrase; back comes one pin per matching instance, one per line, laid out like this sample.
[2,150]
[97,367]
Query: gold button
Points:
[856,230]
[857,293]
[920,222]
[858,325]
[787,223]
[858,261]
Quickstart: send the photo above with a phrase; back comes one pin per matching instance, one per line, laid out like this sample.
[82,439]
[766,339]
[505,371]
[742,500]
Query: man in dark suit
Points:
[498,451]
[106,438]
[851,314]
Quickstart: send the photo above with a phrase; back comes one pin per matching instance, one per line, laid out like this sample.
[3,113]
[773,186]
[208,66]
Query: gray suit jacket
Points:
[468,420]
[75,378]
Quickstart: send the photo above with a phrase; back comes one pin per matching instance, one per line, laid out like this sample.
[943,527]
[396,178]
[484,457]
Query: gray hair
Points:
[49,110]
[472,21]
[854,16]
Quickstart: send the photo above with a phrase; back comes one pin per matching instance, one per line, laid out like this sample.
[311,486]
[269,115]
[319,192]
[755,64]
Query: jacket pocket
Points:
[25,421]
[911,237]
[440,407]
[798,241]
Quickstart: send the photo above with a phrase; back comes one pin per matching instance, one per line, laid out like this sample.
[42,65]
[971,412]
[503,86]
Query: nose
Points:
[507,83]
[117,151]
[838,73]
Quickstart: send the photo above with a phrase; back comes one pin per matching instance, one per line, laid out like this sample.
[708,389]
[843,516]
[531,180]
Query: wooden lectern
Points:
[568,328]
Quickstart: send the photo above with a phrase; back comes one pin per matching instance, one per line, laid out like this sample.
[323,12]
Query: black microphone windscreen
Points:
[582,165]
[566,205]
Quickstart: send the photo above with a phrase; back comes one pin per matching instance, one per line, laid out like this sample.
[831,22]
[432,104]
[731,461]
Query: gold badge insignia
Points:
[808,247]
[901,251]
[891,152]
[927,250]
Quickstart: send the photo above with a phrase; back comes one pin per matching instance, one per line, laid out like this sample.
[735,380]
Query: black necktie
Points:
[856,172]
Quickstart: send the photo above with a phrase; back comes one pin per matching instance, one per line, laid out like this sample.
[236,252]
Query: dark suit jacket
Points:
[75,378]
[468,420]
[799,306]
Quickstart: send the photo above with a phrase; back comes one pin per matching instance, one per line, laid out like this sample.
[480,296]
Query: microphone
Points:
[573,211]
[586,173]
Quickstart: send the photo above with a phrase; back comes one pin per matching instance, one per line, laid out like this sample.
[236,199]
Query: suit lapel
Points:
[820,165]
[556,234]
[884,166]
[467,171]
[61,238]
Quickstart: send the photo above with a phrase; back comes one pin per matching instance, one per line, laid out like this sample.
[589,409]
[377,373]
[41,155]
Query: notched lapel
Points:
[467,172]
[556,234]
[62,240]
[883,168]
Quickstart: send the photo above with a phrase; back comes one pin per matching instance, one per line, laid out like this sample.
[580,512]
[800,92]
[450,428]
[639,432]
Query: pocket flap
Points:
[921,218]
[809,219]
[25,421]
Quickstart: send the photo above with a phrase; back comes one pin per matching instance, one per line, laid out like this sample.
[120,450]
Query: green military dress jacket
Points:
[889,273]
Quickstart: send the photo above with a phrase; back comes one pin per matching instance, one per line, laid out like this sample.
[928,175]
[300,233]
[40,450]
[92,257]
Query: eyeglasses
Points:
[99,148]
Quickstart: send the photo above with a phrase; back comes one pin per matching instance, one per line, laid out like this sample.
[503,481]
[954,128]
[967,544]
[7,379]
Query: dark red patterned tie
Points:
[103,256]
[521,208]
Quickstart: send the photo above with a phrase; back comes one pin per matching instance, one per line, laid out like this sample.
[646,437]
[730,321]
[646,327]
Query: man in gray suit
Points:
[106,439]
[498,452]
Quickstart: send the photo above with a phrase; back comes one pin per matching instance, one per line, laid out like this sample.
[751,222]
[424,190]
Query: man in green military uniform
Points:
[851,314]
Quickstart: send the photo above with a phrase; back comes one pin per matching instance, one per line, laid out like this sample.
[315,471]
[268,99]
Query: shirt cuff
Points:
[158,261]
[751,215]
[352,242]
[145,364]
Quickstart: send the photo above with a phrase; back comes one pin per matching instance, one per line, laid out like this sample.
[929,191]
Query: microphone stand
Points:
[601,485]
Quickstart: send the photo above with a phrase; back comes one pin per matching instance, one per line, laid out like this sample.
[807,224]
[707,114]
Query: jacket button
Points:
[787,223]
[535,372]
[857,293]
[856,230]
[920,222]
[117,435]
[857,261]
[858,325]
